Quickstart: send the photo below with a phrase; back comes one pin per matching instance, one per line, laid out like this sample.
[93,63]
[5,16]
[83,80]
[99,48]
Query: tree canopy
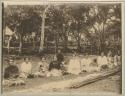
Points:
[95,22]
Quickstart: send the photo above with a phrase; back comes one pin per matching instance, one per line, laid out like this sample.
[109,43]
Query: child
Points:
[42,68]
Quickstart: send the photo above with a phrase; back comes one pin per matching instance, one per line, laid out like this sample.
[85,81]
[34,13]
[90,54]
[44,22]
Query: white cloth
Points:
[26,67]
[102,60]
[74,66]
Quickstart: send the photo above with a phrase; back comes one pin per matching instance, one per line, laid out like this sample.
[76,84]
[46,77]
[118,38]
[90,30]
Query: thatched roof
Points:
[8,31]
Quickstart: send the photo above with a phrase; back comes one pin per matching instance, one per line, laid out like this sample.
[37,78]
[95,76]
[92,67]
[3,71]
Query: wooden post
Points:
[8,44]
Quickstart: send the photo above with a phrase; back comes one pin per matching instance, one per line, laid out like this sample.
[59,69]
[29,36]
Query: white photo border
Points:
[38,2]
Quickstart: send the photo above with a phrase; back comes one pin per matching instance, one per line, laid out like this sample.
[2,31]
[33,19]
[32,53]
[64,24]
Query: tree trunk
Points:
[33,43]
[43,29]
[90,78]
[78,44]
[20,45]
[42,33]
[56,43]
[78,40]
[65,38]
[65,42]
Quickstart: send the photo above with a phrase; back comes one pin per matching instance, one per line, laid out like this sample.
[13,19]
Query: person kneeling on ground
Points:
[42,68]
[54,68]
[26,68]
[11,71]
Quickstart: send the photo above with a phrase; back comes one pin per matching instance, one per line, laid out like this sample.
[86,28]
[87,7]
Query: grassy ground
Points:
[110,84]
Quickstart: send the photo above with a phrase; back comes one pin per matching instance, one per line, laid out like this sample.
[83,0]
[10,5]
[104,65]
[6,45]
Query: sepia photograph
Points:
[62,47]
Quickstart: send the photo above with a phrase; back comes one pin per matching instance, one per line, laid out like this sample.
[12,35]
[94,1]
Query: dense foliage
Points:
[67,24]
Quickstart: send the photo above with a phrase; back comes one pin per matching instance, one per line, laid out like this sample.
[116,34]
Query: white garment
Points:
[74,66]
[86,61]
[26,67]
[110,61]
[102,60]
[117,60]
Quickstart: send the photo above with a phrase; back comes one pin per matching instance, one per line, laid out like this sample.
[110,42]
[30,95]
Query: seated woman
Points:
[93,66]
[117,60]
[25,68]
[42,68]
[54,68]
[110,60]
[74,66]
[102,61]
[11,71]
[85,62]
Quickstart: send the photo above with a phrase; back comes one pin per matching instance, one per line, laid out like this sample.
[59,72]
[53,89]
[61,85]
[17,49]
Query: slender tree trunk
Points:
[21,43]
[56,43]
[33,43]
[65,42]
[42,33]
[78,44]
[43,29]
[65,38]
[78,40]
[8,44]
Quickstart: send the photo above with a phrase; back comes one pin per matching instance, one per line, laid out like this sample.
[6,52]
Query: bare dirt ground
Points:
[110,84]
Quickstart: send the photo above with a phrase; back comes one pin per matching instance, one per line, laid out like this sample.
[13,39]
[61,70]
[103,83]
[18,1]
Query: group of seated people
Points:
[58,66]
[42,68]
